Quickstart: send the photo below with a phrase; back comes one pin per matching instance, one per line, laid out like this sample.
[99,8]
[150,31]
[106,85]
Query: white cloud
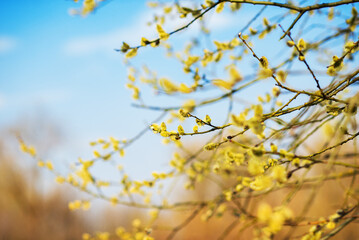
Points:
[7,44]
[45,97]
[132,33]
[51,96]
[108,41]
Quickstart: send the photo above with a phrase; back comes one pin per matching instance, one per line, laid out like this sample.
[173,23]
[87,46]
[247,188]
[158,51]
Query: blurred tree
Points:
[266,162]
[27,209]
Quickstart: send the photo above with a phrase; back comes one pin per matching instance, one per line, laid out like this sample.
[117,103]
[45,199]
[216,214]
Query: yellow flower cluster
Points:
[27,149]
[162,130]
[88,6]
[113,143]
[255,123]
[178,162]
[235,77]
[264,71]
[273,218]
[78,204]
[267,28]
[335,66]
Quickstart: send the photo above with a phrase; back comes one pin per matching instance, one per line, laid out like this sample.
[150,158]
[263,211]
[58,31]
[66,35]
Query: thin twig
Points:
[293,23]
[186,222]
[305,62]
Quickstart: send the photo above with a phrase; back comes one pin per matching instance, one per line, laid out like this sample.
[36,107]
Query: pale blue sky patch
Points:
[133,31]
[7,44]
[2,101]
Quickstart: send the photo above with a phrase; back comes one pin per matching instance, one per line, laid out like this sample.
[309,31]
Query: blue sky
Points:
[64,68]
[37,68]
[41,73]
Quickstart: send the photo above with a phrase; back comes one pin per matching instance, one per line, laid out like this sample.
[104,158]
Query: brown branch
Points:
[292,25]
[334,146]
[228,229]
[178,29]
[293,7]
[335,231]
[186,222]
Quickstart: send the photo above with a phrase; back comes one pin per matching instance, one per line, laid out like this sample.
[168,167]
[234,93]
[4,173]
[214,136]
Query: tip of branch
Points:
[239,34]
[285,34]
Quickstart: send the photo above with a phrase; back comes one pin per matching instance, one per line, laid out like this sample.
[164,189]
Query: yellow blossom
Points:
[188,106]
[208,119]
[96,154]
[264,212]
[122,152]
[86,236]
[330,225]
[228,195]
[239,120]
[74,205]
[60,179]
[88,6]
[131,53]
[183,88]
[49,165]
[290,43]
[255,166]
[246,181]
[261,183]
[220,7]
[167,85]
[210,146]
[273,147]
[32,151]
[154,213]
[235,76]
[222,83]
[265,73]
[180,130]
[195,129]
[144,41]
[276,222]
[114,200]
[136,223]
[239,187]
[40,163]
[296,162]
[302,44]
[86,205]
[279,173]
[281,76]
[264,62]
[103,235]
[155,128]
[119,231]
[163,35]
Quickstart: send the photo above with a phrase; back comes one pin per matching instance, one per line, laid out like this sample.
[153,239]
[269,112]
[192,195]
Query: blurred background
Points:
[61,87]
